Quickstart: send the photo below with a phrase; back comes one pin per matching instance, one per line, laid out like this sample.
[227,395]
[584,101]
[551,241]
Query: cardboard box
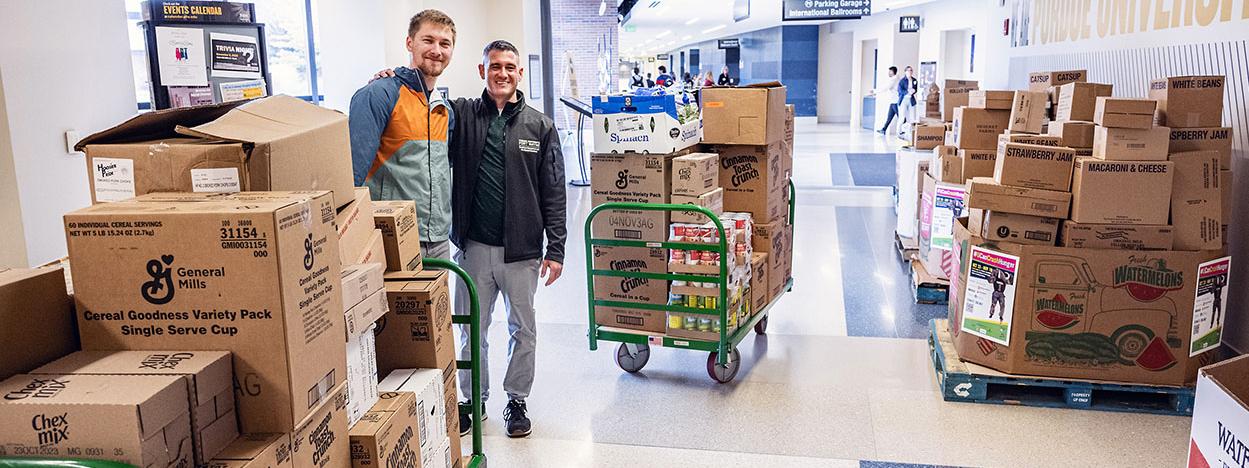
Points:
[781,258]
[401,237]
[426,386]
[1078,101]
[713,200]
[1107,315]
[955,94]
[986,194]
[34,296]
[353,225]
[1034,166]
[390,434]
[1124,112]
[1227,186]
[990,99]
[265,450]
[639,290]
[273,143]
[1028,139]
[979,128]
[416,333]
[360,282]
[450,398]
[910,167]
[975,219]
[1116,236]
[751,115]
[1130,144]
[1220,415]
[927,135]
[142,420]
[209,387]
[155,273]
[1043,81]
[361,373]
[942,203]
[947,167]
[376,252]
[759,289]
[695,174]
[978,163]
[631,179]
[787,149]
[1019,229]
[646,124]
[1199,139]
[321,440]
[1188,101]
[754,180]
[1027,113]
[1073,134]
[361,316]
[1121,192]
[1196,201]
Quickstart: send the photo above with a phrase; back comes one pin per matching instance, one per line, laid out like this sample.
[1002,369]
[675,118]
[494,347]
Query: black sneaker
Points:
[466,417]
[517,423]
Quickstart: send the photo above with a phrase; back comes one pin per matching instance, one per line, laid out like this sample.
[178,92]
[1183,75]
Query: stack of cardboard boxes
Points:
[199,303]
[740,172]
[1096,251]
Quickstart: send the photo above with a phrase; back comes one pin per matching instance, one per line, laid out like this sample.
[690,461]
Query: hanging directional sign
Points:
[802,10]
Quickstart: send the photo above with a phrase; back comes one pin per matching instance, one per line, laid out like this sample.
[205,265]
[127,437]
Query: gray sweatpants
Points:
[440,249]
[518,281]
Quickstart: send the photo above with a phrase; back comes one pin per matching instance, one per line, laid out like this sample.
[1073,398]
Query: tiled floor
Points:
[841,377]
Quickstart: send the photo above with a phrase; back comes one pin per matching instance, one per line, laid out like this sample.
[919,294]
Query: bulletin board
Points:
[204,52]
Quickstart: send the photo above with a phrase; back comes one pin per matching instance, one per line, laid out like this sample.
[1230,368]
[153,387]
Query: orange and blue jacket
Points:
[399,134]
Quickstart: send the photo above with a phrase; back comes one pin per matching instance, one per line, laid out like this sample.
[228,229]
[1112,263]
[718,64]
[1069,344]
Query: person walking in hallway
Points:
[893,86]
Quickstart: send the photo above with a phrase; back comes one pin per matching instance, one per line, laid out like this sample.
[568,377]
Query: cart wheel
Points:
[725,373]
[762,327]
[632,357]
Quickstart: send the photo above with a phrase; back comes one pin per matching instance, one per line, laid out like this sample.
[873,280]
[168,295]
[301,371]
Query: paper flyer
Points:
[187,96]
[949,204]
[180,55]
[989,304]
[239,90]
[1211,302]
[234,56]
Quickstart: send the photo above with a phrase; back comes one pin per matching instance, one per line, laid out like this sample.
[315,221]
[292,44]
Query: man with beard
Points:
[400,132]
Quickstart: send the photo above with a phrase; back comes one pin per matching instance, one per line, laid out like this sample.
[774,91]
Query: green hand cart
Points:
[634,350]
[476,460]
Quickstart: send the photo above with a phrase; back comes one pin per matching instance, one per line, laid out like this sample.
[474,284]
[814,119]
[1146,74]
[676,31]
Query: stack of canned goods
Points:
[693,323]
[693,301]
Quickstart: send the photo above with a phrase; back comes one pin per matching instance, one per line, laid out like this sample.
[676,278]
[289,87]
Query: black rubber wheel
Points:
[632,360]
[762,326]
[725,373]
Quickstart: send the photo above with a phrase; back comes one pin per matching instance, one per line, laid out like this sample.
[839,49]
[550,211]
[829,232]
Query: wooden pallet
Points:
[908,248]
[966,382]
[926,288]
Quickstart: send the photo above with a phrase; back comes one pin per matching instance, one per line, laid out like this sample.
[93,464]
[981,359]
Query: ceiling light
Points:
[662,34]
[714,28]
[602,7]
[686,38]
[691,21]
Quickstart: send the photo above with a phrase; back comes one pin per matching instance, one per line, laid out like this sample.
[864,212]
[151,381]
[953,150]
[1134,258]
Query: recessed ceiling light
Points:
[662,34]
[714,28]
[691,21]
[686,38]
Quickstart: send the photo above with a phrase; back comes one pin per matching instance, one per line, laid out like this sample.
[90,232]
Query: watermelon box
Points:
[1220,415]
[1109,315]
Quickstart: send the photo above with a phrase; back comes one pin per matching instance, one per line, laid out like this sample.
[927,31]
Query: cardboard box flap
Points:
[250,446]
[393,401]
[214,367]
[156,125]
[768,84]
[200,203]
[1233,376]
[424,280]
[265,120]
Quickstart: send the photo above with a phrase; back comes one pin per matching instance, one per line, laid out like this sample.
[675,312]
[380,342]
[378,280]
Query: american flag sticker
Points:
[987,347]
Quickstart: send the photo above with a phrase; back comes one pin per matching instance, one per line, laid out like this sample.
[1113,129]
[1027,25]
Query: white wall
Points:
[65,65]
[835,70]
[354,47]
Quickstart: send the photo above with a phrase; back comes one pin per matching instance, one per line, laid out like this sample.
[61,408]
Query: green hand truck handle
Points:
[478,458]
[59,463]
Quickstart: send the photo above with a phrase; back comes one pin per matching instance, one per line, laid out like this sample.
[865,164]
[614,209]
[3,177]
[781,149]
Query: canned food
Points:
[709,302]
[676,299]
[690,323]
[715,325]
[674,321]
[704,325]
[676,255]
[691,301]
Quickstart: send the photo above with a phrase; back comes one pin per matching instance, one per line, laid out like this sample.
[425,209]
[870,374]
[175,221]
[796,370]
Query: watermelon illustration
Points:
[1056,320]
[1145,292]
[1156,357]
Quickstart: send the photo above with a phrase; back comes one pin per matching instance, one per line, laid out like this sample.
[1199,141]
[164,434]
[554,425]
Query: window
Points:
[286,38]
[1057,274]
